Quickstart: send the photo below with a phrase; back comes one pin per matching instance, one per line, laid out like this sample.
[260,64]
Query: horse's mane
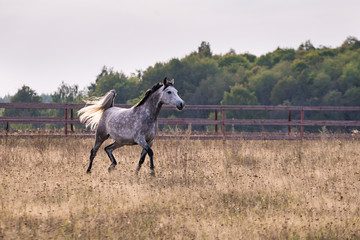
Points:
[150,91]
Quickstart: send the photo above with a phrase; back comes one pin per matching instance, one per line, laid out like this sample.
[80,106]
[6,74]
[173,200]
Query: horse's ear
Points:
[165,80]
[172,81]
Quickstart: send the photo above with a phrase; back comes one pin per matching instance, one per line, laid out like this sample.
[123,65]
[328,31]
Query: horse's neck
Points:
[153,105]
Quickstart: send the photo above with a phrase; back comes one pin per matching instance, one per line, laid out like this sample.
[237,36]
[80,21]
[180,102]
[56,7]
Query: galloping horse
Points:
[136,125]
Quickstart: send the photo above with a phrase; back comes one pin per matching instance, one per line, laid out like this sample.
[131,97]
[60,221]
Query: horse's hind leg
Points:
[109,150]
[98,141]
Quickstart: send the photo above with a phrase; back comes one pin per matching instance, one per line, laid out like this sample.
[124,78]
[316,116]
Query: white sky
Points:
[45,42]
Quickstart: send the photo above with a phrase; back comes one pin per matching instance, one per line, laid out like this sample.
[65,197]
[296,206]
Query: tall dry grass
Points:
[203,190]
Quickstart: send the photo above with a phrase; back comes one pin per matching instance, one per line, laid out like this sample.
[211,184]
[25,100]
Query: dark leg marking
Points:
[141,161]
[146,149]
[98,142]
[151,154]
[109,150]
[92,156]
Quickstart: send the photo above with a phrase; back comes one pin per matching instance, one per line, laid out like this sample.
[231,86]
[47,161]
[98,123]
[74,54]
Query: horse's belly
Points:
[123,138]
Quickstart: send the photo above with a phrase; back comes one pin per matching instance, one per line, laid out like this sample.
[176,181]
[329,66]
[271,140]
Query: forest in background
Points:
[306,76]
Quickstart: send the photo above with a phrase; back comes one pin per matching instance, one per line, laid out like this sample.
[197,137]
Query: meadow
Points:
[202,190]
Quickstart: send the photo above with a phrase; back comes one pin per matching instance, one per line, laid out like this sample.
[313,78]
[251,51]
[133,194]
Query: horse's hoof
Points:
[88,171]
[137,170]
[112,167]
[152,173]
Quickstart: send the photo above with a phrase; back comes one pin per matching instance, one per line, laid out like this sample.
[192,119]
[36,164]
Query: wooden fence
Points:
[69,119]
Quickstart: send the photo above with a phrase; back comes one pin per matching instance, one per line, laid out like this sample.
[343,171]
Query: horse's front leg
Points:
[152,167]
[146,150]
[141,161]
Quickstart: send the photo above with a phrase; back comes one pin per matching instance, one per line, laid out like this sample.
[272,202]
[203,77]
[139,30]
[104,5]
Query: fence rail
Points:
[70,119]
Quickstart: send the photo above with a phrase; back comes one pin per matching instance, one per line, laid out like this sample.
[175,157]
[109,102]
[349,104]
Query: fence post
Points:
[7,127]
[66,121]
[302,121]
[289,120]
[216,118]
[72,117]
[223,123]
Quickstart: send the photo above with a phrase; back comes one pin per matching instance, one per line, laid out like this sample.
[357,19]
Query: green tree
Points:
[188,74]
[233,62]
[281,54]
[350,76]
[105,81]
[250,57]
[321,83]
[271,59]
[351,42]
[262,84]
[307,46]
[352,97]
[298,66]
[305,76]
[239,95]
[204,49]
[313,58]
[264,60]
[333,98]
[214,86]
[284,91]
[6,98]
[126,88]
[25,95]
[229,60]
[66,94]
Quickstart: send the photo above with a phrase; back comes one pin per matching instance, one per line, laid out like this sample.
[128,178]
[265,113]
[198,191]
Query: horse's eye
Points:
[169,92]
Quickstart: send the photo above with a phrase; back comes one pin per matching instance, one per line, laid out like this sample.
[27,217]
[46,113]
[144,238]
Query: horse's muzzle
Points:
[180,106]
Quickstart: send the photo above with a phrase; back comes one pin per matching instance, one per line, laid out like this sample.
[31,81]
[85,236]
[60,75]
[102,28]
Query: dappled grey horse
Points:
[136,125]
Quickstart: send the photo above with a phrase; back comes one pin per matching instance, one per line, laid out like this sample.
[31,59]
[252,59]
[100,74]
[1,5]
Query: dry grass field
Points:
[202,190]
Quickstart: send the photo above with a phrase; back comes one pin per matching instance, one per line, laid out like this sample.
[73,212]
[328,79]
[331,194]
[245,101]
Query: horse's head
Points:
[170,95]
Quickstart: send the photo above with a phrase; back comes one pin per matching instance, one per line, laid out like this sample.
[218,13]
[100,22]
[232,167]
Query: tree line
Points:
[304,76]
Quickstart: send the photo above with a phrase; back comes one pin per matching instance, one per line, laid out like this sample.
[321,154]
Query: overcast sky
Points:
[45,42]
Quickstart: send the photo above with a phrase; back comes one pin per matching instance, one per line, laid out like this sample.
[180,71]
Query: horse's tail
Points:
[91,115]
